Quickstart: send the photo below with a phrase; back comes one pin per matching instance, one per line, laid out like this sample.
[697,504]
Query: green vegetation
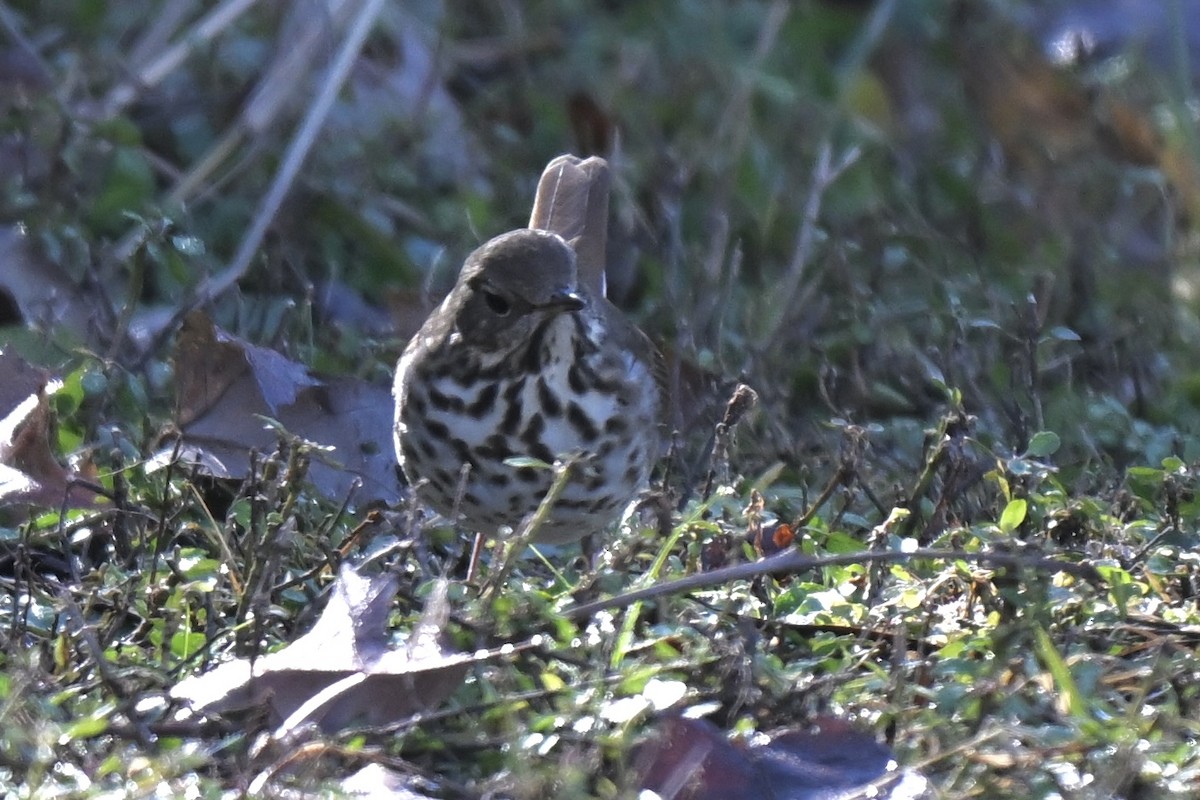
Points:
[962,281]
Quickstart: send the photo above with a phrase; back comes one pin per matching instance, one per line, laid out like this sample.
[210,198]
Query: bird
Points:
[526,363]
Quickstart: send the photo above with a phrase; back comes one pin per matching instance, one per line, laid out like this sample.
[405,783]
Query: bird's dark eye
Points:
[497,304]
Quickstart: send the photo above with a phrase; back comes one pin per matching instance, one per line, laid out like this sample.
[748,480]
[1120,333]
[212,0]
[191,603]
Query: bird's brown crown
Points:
[512,282]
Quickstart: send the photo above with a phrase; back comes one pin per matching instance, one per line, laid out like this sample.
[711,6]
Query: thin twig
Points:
[730,138]
[791,297]
[154,71]
[12,28]
[529,527]
[933,462]
[794,561]
[155,36]
[294,157]
[296,153]
[845,471]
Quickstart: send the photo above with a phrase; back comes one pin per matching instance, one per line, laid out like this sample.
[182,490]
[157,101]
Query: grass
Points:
[988,326]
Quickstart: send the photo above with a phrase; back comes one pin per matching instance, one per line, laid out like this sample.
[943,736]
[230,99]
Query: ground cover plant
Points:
[925,278]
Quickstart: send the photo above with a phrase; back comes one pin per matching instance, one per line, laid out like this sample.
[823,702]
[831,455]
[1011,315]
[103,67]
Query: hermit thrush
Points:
[525,361]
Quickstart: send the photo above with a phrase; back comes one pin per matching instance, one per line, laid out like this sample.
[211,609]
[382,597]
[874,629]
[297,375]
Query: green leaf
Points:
[1042,444]
[93,382]
[186,644]
[1064,334]
[1121,586]
[1014,515]
[86,728]
[1145,482]
[128,184]
[1070,698]
[841,542]
[527,461]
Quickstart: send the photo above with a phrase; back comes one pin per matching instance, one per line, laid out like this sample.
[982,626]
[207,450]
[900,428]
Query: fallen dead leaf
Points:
[692,760]
[344,671]
[29,472]
[44,296]
[225,386]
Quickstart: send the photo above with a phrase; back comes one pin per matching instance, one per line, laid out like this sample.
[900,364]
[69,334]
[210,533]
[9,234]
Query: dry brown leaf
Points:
[44,297]
[29,473]
[344,671]
[692,760]
[225,386]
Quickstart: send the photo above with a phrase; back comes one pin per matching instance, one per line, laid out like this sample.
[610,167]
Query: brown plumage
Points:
[525,358]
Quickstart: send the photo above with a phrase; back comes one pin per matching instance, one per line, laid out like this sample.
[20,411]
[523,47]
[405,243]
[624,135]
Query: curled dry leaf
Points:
[225,385]
[344,671]
[29,473]
[42,295]
[690,759]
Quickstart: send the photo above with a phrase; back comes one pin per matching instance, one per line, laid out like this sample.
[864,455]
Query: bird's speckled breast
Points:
[572,396]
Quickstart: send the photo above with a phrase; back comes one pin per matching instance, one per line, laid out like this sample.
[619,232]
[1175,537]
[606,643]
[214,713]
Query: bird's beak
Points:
[566,301]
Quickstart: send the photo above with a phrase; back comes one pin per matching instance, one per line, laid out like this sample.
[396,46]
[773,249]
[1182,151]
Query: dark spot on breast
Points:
[573,503]
[497,478]
[415,405]
[466,371]
[495,448]
[483,404]
[611,385]
[632,474]
[576,378]
[442,479]
[490,374]
[463,452]
[583,344]
[616,425]
[595,482]
[445,402]
[512,418]
[512,412]
[437,429]
[531,360]
[548,400]
[427,448]
[532,435]
[471,499]
[604,503]
[582,424]
[541,452]
[527,475]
